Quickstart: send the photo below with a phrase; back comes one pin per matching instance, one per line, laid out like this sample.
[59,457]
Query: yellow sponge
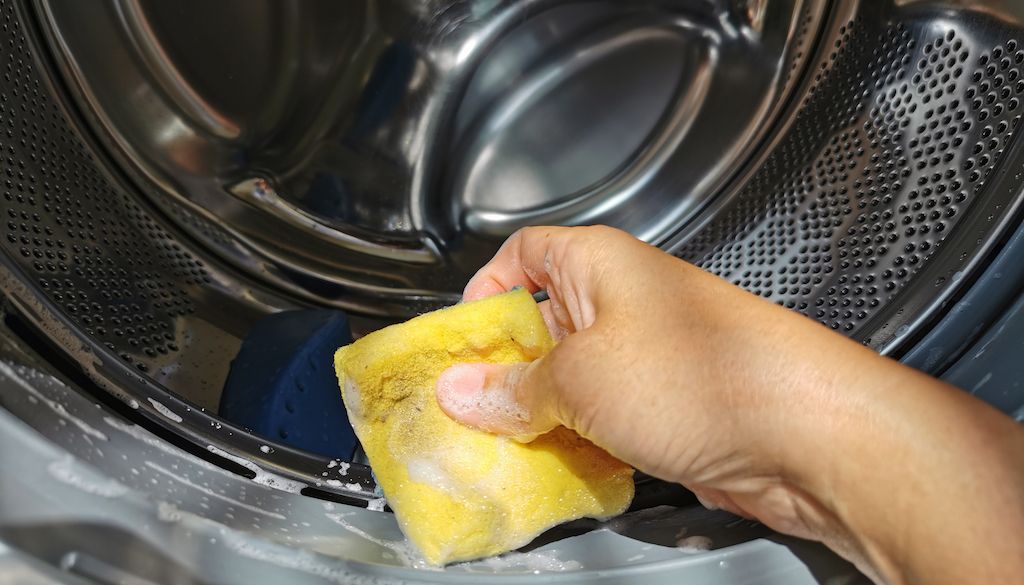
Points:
[460,493]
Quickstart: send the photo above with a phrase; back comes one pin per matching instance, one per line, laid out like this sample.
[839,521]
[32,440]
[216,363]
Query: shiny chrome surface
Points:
[398,142]
[441,126]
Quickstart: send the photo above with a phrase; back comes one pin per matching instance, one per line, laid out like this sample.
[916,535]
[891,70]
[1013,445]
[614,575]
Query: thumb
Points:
[505,399]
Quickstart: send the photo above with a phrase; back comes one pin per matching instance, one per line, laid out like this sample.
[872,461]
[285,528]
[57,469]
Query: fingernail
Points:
[479,288]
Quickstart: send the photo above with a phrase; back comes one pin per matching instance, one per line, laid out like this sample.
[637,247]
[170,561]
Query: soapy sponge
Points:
[459,493]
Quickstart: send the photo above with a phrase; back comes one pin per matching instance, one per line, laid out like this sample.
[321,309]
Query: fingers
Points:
[539,257]
[517,263]
[570,263]
[506,399]
[555,327]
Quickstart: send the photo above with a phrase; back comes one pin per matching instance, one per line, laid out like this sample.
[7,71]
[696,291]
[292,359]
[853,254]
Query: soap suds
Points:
[350,486]
[56,407]
[263,477]
[298,560]
[377,504]
[68,472]
[150,439]
[534,561]
[342,466]
[402,549]
[269,552]
[353,402]
[167,412]
[694,544]
[168,512]
[427,470]
[210,492]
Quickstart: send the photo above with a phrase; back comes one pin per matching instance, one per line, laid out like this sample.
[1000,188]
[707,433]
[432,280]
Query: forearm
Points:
[886,465]
[909,471]
[759,410]
[933,471]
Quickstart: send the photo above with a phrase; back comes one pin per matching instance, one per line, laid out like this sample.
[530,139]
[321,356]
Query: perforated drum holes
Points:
[890,148]
[90,248]
[798,55]
[899,121]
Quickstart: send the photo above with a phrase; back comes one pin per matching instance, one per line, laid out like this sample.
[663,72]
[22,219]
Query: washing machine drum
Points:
[174,173]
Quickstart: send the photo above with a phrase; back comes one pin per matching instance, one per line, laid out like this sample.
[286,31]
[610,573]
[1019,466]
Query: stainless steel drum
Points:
[173,171]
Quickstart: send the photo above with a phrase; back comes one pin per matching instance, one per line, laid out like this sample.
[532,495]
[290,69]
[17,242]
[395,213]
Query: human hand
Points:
[667,367]
[756,409]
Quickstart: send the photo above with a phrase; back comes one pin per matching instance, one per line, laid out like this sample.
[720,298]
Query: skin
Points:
[756,409]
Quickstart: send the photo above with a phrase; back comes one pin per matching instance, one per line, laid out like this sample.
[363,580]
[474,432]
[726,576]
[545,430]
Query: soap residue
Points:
[377,504]
[427,470]
[167,412]
[269,552]
[56,407]
[658,515]
[353,402]
[263,477]
[150,439]
[694,544]
[299,560]
[210,492]
[68,472]
[402,549]
[351,487]
[533,561]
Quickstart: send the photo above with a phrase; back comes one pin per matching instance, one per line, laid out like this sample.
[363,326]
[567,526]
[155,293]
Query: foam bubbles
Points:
[534,561]
[694,544]
[67,471]
[166,412]
[263,477]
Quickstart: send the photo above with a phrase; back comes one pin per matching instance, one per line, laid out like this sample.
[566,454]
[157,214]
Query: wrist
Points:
[825,418]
